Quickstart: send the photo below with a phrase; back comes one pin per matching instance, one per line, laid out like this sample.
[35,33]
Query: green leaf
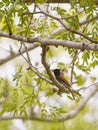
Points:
[28,90]
[93,78]
[81,80]
[69,97]
[62,66]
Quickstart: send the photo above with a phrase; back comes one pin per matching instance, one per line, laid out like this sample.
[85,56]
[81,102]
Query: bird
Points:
[62,80]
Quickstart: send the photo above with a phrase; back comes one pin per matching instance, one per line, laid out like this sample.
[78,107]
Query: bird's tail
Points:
[71,92]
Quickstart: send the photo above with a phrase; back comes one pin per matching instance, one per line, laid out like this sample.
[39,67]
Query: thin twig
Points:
[76,53]
[22,53]
[66,27]
[8,25]
[81,22]
[68,116]
[13,56]
[84,88]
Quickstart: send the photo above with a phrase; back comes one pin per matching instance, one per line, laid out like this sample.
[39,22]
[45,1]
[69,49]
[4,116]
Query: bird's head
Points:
[56,72]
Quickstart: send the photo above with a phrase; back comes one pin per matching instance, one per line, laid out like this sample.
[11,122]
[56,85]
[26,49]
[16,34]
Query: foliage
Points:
[27,89]
[5,125]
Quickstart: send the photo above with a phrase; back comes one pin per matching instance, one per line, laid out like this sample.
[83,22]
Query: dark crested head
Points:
[56,72]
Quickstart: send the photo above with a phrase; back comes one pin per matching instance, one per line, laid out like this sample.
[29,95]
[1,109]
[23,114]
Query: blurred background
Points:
[22,92]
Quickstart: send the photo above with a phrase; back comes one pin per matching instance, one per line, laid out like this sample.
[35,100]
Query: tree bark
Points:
[54,1]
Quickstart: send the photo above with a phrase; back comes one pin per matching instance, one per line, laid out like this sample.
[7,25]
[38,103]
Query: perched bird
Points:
[61,79]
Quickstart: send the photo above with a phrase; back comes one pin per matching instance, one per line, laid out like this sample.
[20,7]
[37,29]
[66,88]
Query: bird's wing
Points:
[64,80]
[66,83]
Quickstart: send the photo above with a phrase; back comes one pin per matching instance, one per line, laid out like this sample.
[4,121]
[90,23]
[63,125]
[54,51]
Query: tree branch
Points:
[20,38]
[66,27]
[70,44]
[89,20]
[81,23]
[81,104]
[14,55]
[53,42]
